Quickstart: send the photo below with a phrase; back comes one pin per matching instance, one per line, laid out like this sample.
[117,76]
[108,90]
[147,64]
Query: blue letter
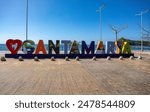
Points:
[52,46]
[65,42]
[110,47]
[89,49]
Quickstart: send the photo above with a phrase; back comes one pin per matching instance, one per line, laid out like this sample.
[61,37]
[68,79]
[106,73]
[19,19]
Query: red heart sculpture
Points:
[12,42]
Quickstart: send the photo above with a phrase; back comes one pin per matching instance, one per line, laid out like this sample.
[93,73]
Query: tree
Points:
[122,39]
[118,30]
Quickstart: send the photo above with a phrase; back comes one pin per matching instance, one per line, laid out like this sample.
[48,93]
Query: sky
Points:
[71,19]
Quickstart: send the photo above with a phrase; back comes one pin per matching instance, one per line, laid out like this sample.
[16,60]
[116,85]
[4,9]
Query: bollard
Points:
[66,59]
[140,57]
[77,58]
[52,59]
[94,58]
[131,57]
[3,58]
[121,58]
[20,58]
[108,58]
[36,58]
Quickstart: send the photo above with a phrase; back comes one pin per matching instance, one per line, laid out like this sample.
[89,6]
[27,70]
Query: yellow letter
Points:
[126,48]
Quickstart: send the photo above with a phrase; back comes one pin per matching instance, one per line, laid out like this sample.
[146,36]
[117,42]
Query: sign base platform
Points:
[62,56]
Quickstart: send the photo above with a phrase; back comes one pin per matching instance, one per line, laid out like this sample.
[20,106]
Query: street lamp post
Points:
[100,12]
[27,20]
[141,14]
[100,46]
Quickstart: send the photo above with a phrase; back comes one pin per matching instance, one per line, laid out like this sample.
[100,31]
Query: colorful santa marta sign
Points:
[28,49]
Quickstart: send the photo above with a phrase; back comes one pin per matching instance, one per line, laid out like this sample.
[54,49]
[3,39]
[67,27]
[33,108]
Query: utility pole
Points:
[141,14]
[26,19]
[100,12]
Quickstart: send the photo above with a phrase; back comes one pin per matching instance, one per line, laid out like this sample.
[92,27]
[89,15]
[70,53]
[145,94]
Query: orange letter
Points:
[100,48]
[40,47]
[118,47]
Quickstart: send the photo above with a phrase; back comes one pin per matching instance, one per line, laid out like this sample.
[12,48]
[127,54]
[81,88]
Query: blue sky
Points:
[70,19]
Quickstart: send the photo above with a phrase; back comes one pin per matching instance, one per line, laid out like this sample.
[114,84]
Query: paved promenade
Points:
[85,77]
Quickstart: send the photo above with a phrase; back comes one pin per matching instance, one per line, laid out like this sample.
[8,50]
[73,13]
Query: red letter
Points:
[40,47]
[11,42]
